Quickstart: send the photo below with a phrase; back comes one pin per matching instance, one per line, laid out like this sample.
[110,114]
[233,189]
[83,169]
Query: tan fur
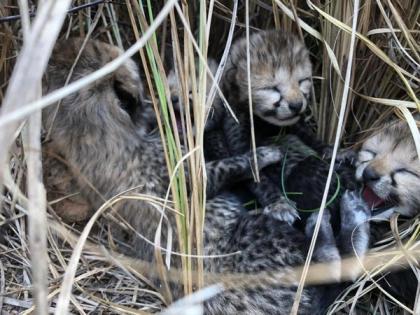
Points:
[63,192]
[391,156]
[97,137]
[280,75]
[60,181]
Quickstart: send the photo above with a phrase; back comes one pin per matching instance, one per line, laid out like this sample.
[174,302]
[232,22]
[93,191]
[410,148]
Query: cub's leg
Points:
[267,192]
[326,250]
[222,214]
[355,228]
[215,146]
[223,172]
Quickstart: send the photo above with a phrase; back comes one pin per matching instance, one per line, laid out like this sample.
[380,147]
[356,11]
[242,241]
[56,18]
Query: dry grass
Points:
[353,96]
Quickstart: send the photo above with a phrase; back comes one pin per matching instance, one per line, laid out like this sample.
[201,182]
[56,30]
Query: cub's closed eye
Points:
[369,152]
[406,171]
[271,89]
[308,79]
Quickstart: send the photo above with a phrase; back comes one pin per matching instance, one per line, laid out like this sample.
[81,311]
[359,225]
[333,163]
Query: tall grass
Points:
[383,82]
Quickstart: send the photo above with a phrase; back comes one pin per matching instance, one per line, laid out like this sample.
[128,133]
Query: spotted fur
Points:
[101,132]
[280,86]
[266,247]
[305,172]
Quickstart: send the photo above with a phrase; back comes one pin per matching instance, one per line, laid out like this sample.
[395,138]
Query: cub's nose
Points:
[174,100]
[296,107]
[369,175]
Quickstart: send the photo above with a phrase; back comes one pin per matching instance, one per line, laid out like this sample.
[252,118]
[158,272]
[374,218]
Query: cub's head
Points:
[111,105]
[280,76]
[175,85]
[390,168]
[178,100]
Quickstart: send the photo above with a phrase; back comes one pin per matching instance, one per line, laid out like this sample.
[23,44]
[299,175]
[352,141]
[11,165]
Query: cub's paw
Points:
[343,155]
[268,155]
[347,155]
[325,224]
[355,228]
[353,210]
[282,210]
[326,250]
[326,238]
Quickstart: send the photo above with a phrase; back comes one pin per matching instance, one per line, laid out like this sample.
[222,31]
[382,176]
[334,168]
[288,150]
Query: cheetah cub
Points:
[280,85]
[101,132]
[389,167]
[213,112]
[215,145]
[280,76]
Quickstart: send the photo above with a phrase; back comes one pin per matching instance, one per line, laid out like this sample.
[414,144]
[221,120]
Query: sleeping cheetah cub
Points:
[99,131]
[280,76]
[280,88]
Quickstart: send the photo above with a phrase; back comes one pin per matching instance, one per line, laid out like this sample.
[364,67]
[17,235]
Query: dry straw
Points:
[49,266]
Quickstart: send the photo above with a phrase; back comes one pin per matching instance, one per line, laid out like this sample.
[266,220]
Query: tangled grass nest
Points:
[366,60]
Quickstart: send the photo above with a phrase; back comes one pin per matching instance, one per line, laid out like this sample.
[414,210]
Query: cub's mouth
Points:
[375,202]
[178,118]
[277,121]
